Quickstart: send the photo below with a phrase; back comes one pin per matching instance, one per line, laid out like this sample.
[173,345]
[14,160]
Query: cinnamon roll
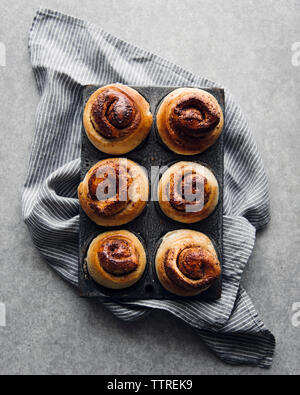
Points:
[116,259]
[114,191]
[189,121]
[117,119]
[188,192]
[186,262]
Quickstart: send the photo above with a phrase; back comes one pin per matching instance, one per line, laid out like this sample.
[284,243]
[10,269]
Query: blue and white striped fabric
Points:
[66,54]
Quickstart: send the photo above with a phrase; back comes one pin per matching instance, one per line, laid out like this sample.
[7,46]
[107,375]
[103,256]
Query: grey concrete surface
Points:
[245,45]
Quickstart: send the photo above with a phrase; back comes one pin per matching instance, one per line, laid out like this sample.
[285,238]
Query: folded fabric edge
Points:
[242,354]
[44,12]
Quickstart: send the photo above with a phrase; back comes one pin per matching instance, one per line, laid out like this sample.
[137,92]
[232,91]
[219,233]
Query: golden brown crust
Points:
[117,119]
[189,120]
[114,191]
[116,259]
[186,262]
[188,192]
[118,255]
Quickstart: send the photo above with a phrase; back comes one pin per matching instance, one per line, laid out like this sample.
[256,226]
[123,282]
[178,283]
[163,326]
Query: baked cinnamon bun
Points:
[117,119]
[188,192]
[186,262]
[114,191]
[116,259]
[189,121]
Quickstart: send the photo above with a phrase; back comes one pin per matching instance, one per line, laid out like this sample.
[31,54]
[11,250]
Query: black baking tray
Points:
[152,224]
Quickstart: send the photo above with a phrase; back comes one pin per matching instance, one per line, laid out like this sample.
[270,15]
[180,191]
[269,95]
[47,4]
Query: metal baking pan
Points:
[152,224]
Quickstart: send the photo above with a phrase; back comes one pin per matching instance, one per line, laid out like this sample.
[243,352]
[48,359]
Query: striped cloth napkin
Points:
[68,53]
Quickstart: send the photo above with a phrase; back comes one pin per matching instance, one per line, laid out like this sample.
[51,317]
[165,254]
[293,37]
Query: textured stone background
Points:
[246,46]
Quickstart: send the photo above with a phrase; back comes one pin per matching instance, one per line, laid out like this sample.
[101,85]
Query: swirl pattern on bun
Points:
[187,263]
[188,192]
[117,119]
[189,120]
[114,191]
[116,259]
